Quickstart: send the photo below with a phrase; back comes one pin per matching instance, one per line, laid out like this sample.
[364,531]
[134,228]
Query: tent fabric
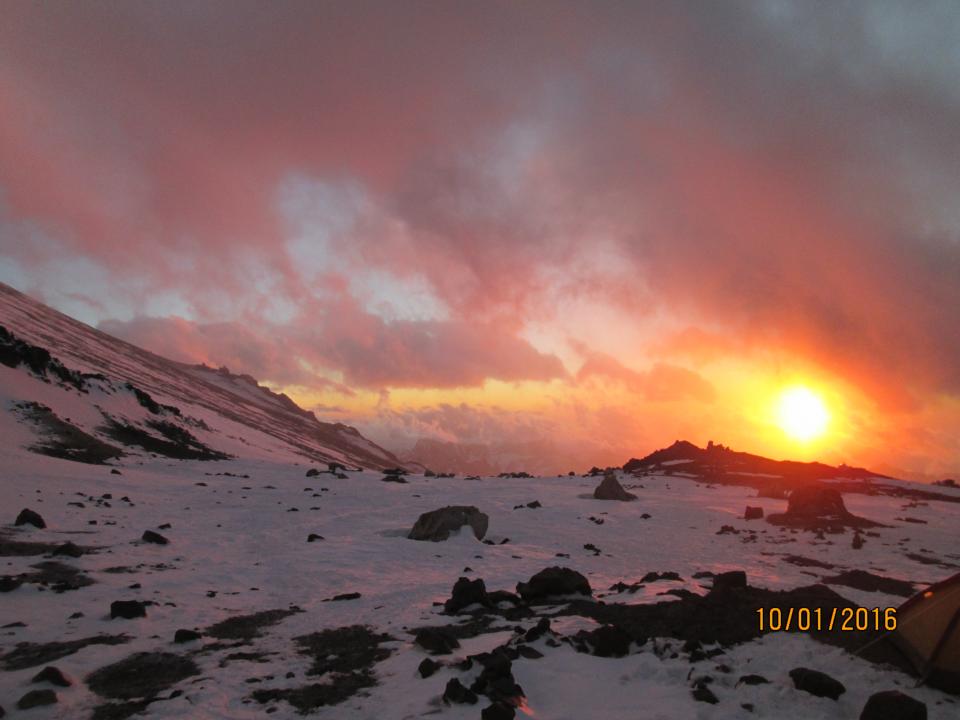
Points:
[928,633]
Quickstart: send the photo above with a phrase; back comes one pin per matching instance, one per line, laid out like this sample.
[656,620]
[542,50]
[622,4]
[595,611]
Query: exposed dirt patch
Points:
[61,439]
[27,655]
[57,576]
[863,580]
[729,617]
[141,675]
[175,442]
[347,654]
[248,627]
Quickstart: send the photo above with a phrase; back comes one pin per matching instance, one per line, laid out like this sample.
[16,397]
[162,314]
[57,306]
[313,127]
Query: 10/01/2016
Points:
[775,619]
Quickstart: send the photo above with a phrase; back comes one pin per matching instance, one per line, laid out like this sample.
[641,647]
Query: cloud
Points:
[779,175]
[363,348]
[662,383]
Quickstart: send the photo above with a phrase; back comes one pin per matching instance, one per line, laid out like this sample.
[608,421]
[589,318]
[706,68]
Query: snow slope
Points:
[233,405]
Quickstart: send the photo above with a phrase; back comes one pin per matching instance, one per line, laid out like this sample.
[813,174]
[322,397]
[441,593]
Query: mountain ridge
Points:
[237,398]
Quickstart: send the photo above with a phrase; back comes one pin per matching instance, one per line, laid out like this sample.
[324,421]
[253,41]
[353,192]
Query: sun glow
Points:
[802,414]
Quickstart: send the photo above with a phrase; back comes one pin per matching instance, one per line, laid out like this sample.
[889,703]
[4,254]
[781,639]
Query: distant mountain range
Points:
[120,398]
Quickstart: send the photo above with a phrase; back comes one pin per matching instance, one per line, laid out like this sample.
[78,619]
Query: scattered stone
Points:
[498,711]
[893,705]
[142,675]
[607,641]
[68,549]
[729,581]
[534,505]
[857,541]
[553,581]
[428,667]
[529,653]
[37,698]
[437,525]
[455,692]
[184,636]
[127,609]
[436,641]
[466,592]
[752,680]
[9,583]
[156,538]
[313,472]
[313,537]
[610,489]
[817,683]
[702,693]
[753,513]
[51,675]
[344,596]
[29,517]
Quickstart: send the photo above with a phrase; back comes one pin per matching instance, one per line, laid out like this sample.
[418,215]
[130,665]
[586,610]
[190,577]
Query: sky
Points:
[584,228]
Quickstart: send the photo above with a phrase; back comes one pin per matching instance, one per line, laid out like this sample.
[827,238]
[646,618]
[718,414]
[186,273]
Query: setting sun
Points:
[802,414]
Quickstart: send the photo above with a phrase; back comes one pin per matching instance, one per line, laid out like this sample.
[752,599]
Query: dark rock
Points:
[498,711]
[428,667]
[37,698]
[127,609]
[344,596]
[68,549]
[184,636]
[702,693]
[51,675]
[436,641]
[610,489]
[466,592]
[893,705]
[8,583]
[455,692]
[165,526]
[537,631]
[608,641]
[529,653]
[729,581]
[154,537]
[313,537]
[534,505]
[752,680]
[817,683]
[313,472]
[29,517]
[753,513]
[554,581]
[114,471]
[437,525]
[857,541]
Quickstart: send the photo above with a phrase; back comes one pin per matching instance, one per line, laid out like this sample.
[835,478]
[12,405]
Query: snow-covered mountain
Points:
[132,400]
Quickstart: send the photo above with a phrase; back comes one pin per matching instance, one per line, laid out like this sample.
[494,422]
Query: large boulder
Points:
[437,525]
[552,582]
[893,705]
[467,592]
[817,683]
[30,517]
[610,489]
